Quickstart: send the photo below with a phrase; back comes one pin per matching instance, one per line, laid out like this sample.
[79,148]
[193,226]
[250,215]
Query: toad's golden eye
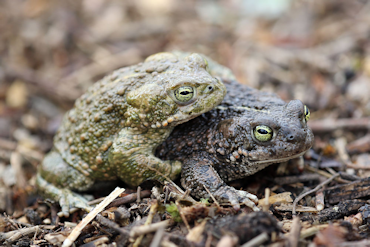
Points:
[184,94]
[262,133]
[307,113]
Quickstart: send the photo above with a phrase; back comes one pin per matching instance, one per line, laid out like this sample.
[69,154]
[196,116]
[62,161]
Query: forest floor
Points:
[315,51]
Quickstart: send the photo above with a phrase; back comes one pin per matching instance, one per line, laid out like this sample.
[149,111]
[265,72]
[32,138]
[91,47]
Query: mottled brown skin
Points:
[220,145]
[116,125]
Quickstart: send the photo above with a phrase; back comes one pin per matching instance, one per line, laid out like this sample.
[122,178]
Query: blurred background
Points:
[51,51]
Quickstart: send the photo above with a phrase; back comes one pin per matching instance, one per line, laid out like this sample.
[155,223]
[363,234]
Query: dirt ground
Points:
[315,51]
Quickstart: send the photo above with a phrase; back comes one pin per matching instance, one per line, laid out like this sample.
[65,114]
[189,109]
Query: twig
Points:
[311,191]
[145,229]
[177,192]
[354,166]
[138,198]
[106,222]
[361,145]
[312,231]
[320,202]
[158,236]
[325,174]
[257,241]
[129,198]
[100,241]
[182,216]
[100,207]
[343,123]
[265,206]
[152,212]
[296,179]
[13,236]
[295,231]
[210,194]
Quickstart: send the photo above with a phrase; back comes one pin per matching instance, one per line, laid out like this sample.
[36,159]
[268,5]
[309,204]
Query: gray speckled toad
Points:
[114,127]
[248,131]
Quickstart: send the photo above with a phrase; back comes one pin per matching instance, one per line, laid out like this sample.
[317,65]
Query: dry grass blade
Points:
[100,207]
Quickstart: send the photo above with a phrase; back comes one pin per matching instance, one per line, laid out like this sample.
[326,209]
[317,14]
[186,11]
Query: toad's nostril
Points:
[290,137]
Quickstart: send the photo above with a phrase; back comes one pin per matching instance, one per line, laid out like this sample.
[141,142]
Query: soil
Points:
[315,51]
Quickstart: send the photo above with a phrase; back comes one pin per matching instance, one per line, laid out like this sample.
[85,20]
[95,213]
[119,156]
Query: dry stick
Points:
[325,174]
[15,223]
[213,198]
[257,241]
[312,230]
[353,166]
[334,124]
[128,199]
[182,216]
[158,236]
[13,236]
[138,198]
[108,223]
[152,212]
[296,179]
[295,231]
[100,207]
[176,191]
[144,229]
[265,206]
[311,191]
[320,200]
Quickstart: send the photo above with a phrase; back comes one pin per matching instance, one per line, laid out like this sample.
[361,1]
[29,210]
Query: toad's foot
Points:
[67,199]
[235,197]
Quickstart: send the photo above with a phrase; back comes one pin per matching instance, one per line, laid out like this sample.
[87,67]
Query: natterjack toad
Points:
[248,131]
[114,127]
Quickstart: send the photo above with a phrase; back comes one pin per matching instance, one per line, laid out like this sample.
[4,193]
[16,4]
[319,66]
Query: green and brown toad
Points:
[114,128]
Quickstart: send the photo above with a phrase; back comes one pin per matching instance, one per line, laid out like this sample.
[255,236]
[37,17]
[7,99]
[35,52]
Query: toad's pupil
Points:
[262,131]
[185,93]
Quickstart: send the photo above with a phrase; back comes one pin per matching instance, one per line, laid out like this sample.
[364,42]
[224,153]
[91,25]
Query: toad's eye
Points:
[307,113]
[262,133]
[184,94]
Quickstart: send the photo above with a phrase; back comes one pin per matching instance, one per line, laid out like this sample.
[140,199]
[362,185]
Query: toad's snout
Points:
[293,134]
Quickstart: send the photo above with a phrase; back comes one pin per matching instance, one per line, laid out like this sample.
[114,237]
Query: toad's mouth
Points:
[278,160]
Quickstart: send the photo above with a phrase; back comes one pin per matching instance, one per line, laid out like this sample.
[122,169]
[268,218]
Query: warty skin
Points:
[221,145]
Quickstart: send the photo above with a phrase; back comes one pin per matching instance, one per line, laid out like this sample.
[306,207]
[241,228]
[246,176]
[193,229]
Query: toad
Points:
[248,131]
[114,128]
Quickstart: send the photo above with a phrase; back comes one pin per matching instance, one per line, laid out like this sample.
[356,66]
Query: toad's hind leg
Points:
[56,180]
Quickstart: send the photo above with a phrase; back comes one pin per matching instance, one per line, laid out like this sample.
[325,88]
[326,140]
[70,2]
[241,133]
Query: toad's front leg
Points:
[132,156]
[199,175]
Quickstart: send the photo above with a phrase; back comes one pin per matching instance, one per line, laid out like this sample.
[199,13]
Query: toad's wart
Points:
[248,131]
[114,127]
